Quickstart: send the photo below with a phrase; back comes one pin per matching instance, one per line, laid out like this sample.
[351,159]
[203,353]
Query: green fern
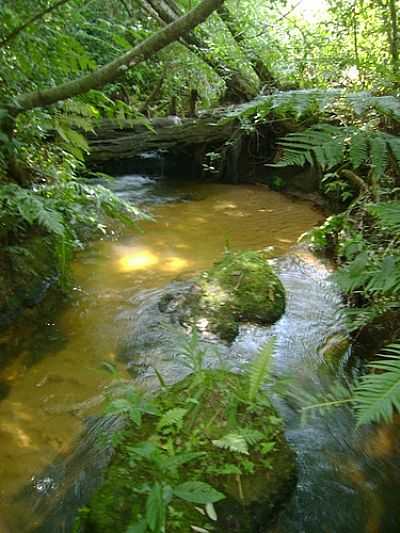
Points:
[385,276]
[394,145]
[321,144]
[172,417]
[357,318]
[359,149]
[330,146]
[388,214]
[353,275]
[314,404]
[239,441]
[378,150]
[373,275]
[377,396]
[259,369]
[386,105]
[316,102]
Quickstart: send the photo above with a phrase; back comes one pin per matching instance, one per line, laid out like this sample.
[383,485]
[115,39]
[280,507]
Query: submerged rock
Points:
[205,431]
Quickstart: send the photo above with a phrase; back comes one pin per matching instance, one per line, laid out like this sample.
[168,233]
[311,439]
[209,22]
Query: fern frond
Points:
[322,144]
[377,396]
[358,149]
[394,145]
[259,369]
[172,417]
[385,277]
[51,220]
[239,441]
[317,102]
[79,122]
[388,214]
[378,154]
[360,102]
[234,442]
[321,403]
[80,108]
[387,105]
[357,318]
[354,275]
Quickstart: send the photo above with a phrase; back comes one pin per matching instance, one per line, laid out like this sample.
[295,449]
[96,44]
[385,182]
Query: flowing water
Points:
[346,480]
[57,360]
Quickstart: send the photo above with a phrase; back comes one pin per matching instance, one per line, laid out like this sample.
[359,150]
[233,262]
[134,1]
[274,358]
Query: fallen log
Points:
[126,139]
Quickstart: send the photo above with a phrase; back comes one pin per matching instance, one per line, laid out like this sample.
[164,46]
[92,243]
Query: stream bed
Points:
[347,480]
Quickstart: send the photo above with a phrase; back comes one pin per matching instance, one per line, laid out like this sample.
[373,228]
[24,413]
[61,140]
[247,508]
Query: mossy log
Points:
[124,140]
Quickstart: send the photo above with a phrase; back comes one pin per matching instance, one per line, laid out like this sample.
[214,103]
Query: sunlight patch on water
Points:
[175,264]
[221,206]
[137,260]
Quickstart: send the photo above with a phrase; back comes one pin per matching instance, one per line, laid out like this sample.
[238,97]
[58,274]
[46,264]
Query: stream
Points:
[347,480]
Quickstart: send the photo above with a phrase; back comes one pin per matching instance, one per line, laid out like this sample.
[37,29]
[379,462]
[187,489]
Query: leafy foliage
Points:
[172,417]
[182,442]
[198,492]
[239,440]
[258,369]
[328,146]
[67,210]
[377,395]
[388,214]
[134,406]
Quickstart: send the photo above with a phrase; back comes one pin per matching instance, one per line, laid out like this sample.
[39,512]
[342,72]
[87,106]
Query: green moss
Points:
[334,348]
[241,287]
[211,405]
[26,272]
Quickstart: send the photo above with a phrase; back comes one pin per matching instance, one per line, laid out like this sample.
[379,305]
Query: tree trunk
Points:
[116,68]
[394,41]
[255,61]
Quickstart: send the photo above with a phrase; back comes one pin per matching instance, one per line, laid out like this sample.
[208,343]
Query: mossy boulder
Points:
[27,270]
[240,288]
[205,431]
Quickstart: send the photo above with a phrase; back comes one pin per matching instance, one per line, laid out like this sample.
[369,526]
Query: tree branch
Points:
[11,36]
[116,68]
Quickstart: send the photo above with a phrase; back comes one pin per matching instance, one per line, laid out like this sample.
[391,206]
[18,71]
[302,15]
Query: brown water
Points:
[59,360]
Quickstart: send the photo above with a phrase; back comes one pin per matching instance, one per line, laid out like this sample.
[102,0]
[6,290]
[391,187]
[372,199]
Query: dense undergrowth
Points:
[355,151]
[207,454]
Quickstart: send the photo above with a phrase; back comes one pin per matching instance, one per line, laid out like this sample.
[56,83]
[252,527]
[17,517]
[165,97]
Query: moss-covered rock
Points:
[241,287]
[205,431]
[335,347]
[27,270]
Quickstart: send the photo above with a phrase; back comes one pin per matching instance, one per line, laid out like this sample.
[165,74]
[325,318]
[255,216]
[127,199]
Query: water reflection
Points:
[58,362]
[137,260]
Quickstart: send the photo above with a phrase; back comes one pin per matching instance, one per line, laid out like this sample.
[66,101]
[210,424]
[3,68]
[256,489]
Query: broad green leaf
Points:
[198,492]
[155,509]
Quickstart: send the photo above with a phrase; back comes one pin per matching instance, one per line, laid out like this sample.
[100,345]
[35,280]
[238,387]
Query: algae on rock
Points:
[240,287]
[205,434]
